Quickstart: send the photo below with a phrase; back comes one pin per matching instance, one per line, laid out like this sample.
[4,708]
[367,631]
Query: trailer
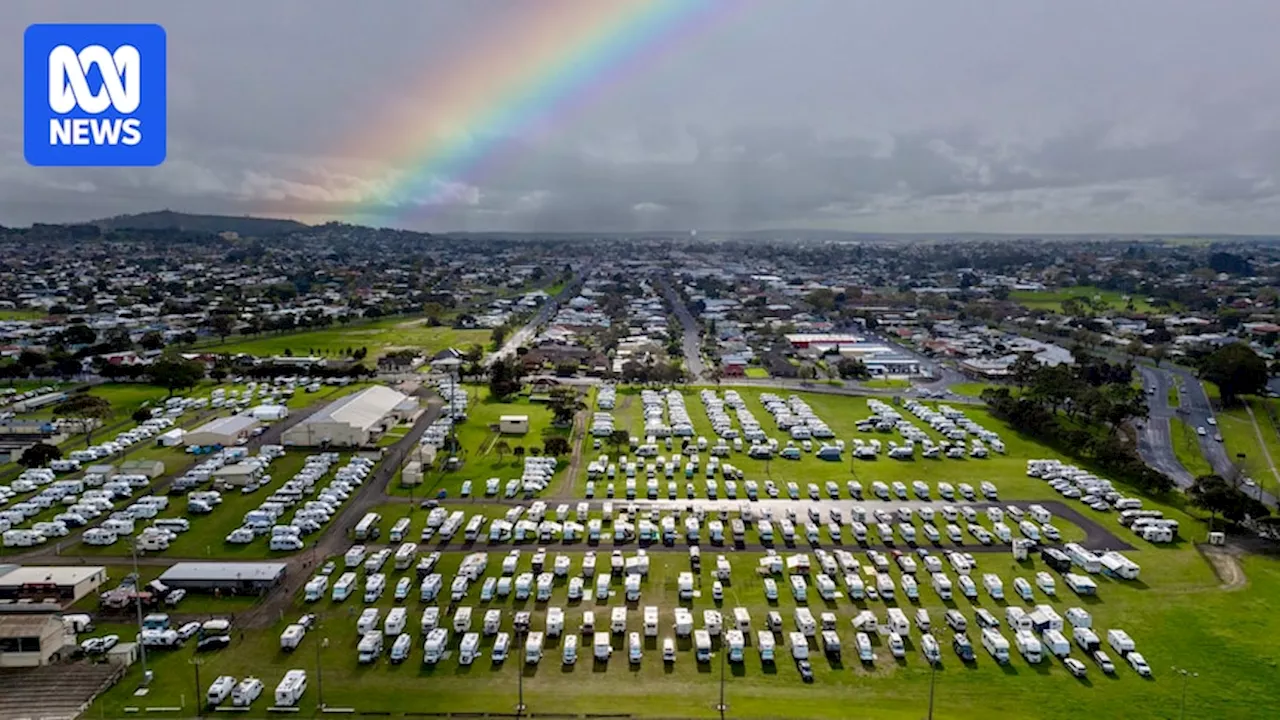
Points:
[291,688]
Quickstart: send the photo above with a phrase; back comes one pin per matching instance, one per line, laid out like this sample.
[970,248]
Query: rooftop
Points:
[361,410]
[229,425]
[15,575]
[223,571]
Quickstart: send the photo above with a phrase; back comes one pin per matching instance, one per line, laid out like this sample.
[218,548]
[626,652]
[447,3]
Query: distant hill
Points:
[170,220]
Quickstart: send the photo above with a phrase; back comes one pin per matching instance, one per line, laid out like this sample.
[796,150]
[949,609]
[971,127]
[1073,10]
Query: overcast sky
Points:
[1002,115]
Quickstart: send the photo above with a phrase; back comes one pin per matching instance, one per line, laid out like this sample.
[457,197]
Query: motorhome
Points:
[996,645]
[602,646]
[651,621]
[618,620]
[291,688]
[469,648]
[434,648]
[401,648]
[246,691]
[368,620]
[292,637]
[569,654]
[1028,645]
[370,647]
[684,622]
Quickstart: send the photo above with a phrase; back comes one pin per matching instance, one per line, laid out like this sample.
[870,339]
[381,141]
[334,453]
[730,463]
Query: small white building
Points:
[513,424]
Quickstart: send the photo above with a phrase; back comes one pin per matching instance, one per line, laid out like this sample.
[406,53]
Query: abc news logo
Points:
[94,95]
[69,89]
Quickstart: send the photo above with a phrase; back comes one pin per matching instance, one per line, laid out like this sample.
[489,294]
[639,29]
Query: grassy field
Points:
[1052,299]
[971,389]
[887,384]
[1186,446]
[1168,613]
[6,315]
[842,414]
[1240,438]
[380,337]
[1174,400]
[757,373]
[482,456]
[1177,614]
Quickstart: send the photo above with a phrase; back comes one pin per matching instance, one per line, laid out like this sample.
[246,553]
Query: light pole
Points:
[722,707]
[195,663]
[137,598]
[324,643]
[1186,675]
[933,677]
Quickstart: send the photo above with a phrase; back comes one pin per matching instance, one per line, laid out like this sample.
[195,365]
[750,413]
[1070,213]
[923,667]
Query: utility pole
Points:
[137,598]
[324,643]
[722,706]
[933,677]
[195,663]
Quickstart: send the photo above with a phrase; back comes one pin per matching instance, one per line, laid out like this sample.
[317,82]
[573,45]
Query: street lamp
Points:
[324,643]
[722,707]
[137,598]
[1186,675]
[933,678]
[195,664]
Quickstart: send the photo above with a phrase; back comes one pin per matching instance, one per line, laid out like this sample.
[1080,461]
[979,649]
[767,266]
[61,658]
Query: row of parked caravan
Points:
[244,692]
[886,418]
[1042,623]
[309,515]
[606,397]
[82,500]
[145,430]
[1099,494]
[796,417]
[953,424]
[665,414]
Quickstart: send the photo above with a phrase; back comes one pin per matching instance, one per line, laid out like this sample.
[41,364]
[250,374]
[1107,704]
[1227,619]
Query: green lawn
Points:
[379,336]
[1186,446]
[483,455]
[887,384]
[1174,401]
[1176,616]
[971,389]
[1052,299]
[1240,438]
[23,314]
[757,373]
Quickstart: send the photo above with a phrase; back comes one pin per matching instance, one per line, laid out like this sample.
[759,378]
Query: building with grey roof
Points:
[353,421]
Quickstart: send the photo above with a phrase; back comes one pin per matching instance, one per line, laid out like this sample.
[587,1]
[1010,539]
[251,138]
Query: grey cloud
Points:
[1034,116]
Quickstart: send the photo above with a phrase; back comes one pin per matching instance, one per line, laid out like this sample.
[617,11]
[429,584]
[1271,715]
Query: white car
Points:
[1200,431]
[240,536]
[1139,664]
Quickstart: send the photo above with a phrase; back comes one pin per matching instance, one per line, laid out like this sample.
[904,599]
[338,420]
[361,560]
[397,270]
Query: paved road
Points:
[530,329]
[692,340]
[1155,443]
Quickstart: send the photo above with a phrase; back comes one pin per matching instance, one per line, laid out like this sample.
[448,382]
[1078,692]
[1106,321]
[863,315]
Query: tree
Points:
[141,415]
[852,368]
[556,446]
[504,379]
[518,451]
[619,439]
[39,455]
[1219,497]
[151,340]
[498,336]
[564,405]
[174,373]
[502,448]
[1237,370]
[89,408]
[222,326]
[78,334]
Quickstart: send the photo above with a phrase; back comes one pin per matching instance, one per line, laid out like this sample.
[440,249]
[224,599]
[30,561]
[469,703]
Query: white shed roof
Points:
[230,425]
[361,410]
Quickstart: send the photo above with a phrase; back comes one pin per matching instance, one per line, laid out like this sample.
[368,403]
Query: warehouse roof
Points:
[230,425]
[361,410]
[223,571]
[59,575]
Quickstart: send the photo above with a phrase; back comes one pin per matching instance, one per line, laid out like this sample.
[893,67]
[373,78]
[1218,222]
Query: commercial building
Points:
[151,468]
[65,584]
[353,421]
[224,431]
[245,577]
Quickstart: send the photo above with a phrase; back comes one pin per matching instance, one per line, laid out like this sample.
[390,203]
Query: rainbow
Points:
[540,62]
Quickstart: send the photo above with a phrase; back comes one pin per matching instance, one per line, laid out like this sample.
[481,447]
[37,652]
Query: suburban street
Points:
[530,329]
[692,341]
